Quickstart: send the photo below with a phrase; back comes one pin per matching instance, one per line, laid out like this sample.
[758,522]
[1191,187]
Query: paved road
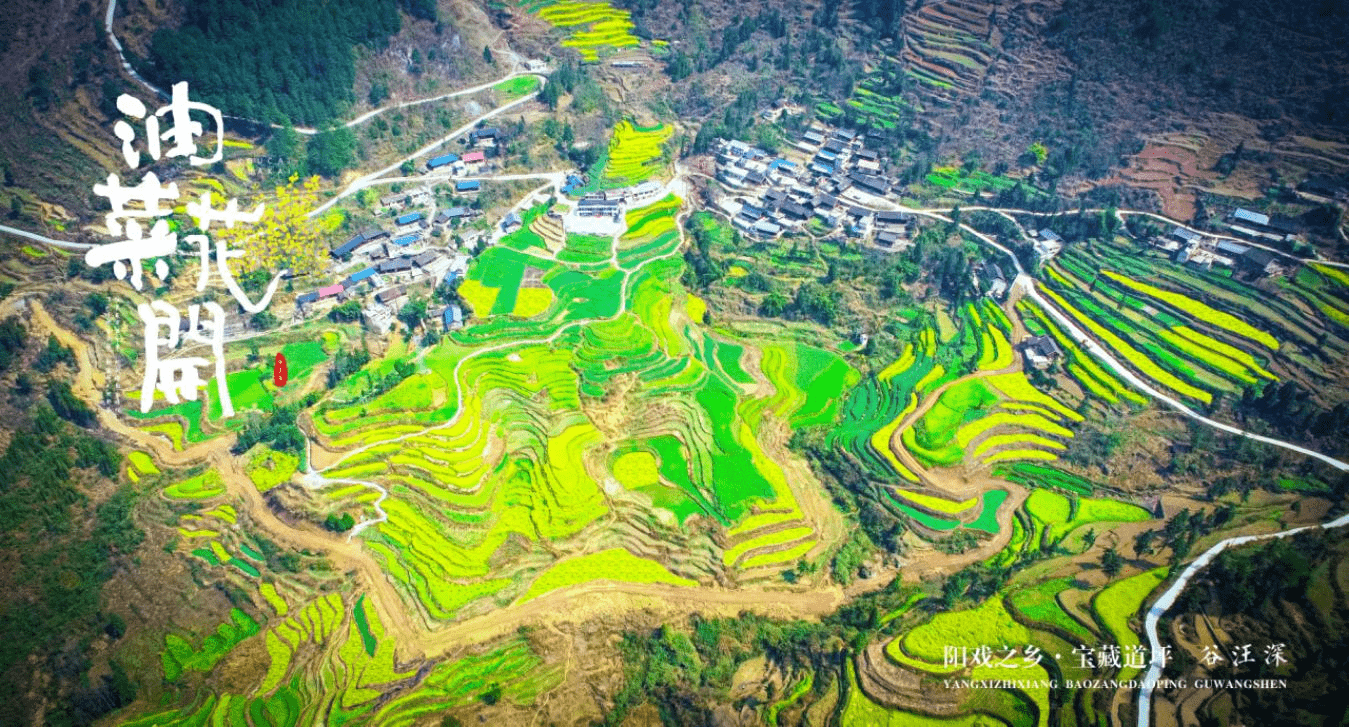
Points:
[44,239]
[373,177]
[1167,599]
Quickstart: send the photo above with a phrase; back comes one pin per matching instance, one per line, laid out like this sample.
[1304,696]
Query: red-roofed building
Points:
[330,291]
[474,157]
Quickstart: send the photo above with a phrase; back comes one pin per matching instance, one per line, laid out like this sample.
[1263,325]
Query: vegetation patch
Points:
[635,155]
[1120,601]
[202,487]
[268,468]
[615,564]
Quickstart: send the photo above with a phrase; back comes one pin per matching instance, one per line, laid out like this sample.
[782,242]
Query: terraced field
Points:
[1012,634]
[634,153]
[990,417]
[1192,333]
[332,662]
[603,425]
[948,47]
[594,29]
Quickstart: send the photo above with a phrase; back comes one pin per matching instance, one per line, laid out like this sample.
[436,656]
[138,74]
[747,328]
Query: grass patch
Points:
[615,564]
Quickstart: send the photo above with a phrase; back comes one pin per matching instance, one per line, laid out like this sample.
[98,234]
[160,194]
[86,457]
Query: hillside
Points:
[605,362]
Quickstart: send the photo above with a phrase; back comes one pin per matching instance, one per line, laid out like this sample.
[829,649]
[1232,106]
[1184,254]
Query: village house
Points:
[485,137]
[990,279]
[441,162]
[452,215]
[1047,244]
[453,317]
[361,244]
[355,279]
[390,296]
[395,269]
[419,197]
[393,201]
[1041,352]
[473,162]
[410,222]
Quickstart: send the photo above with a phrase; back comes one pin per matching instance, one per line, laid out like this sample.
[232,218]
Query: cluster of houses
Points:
[1196,248]
[483,142]
[834,186]
[385,263]
[389,262]
[601,213]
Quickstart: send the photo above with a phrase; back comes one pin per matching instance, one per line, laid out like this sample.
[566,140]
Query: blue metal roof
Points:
[409,218]
[442,160]
[453,314]
[467,185]
[357,277]
[406,240]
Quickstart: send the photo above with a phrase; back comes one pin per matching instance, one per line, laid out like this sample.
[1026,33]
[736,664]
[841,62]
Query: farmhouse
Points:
[444,160]
[597,206]
[889,218]
[473,160]
[330,291]
[794,211]
[362,243]
[453,214]
[410,221]
[453,317]
[869,184]
[1048,244]
[357,278]
[1261,262]
[1255,218]
[887,239]
[1041,351]
[389,295]
[990,279]
[648,190]
[765,228]
[394,266]
[468,186]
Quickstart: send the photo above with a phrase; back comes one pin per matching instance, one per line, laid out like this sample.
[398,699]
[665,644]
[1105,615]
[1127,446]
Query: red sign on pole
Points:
[279,373]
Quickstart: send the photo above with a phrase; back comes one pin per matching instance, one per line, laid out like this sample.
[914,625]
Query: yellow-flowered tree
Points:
[284,237]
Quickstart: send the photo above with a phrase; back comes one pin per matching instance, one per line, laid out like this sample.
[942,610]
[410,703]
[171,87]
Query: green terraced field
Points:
[180,656]
[202,487]
[514,88]
[1056,512]
[1039,603]
[1120,601]
[614,564]
[634,154]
